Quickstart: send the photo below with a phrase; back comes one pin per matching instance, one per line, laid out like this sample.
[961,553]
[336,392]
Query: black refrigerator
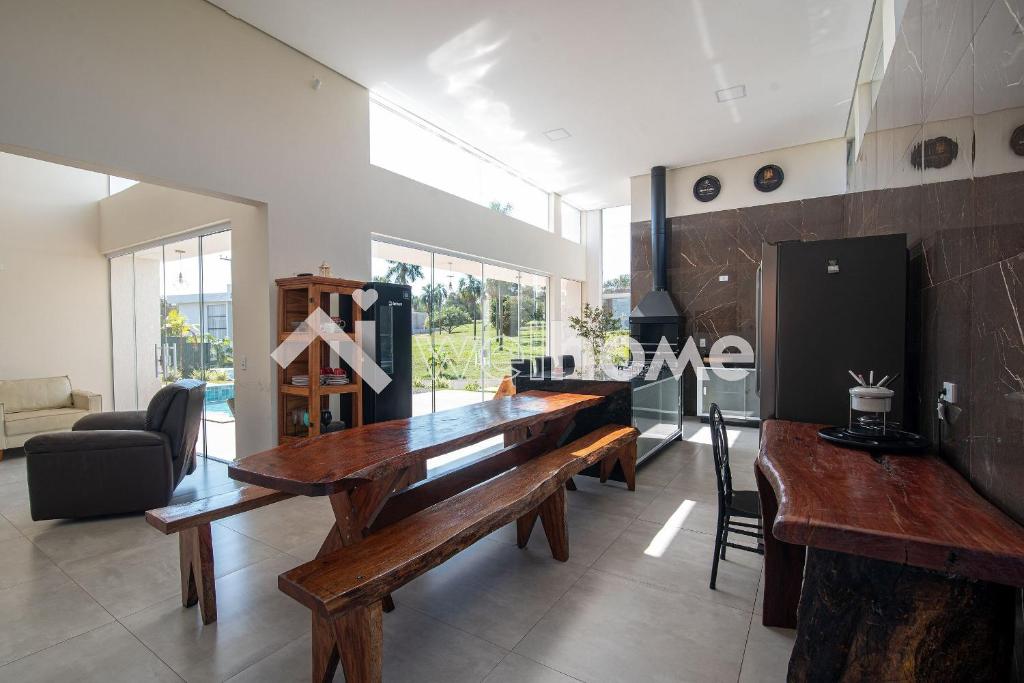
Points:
[390,346]
[824,308]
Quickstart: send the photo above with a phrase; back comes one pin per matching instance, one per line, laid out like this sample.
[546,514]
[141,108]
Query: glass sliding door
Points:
[457,329]
[217,362]
[501,324]
[533,316]
[413,267]
[470,319]
[122,315]
[149,324]
[172,319]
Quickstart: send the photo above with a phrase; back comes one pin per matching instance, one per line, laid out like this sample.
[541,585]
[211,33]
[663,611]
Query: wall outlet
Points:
[703,342]
[243,363]
[723,278]
[949,392]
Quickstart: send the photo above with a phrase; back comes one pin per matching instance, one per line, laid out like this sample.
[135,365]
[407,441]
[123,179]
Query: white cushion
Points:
[45,393]
[37,421]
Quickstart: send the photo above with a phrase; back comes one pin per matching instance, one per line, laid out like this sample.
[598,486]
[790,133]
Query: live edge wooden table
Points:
[909,575]
[360,468]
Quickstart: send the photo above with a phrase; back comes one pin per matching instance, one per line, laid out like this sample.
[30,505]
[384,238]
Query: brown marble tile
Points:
[998,230]
[996,402]
[898,210]
[640,282]
[947,220]
[861,214]
[640,246]
[946,355]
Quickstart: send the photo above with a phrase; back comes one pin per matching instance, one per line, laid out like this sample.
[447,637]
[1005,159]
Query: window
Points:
[119,184]
[409,146]
[572,300]
[217,320]
[469,320]
[571,227]
[171,319]
[615,281]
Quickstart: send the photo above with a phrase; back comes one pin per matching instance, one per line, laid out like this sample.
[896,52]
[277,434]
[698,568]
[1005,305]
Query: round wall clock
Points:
[707,188]
[1017,141]
[937,152]
[768,178]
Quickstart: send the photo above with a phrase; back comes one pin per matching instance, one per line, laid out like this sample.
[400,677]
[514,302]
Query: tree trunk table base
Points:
[869,620]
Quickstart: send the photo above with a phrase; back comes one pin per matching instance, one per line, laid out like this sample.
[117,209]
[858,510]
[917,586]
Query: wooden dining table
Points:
[362,469]
[891,567]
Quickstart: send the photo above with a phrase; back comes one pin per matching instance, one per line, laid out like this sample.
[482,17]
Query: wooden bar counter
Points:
[909,574]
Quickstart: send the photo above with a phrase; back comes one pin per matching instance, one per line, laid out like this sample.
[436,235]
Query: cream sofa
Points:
[39,406]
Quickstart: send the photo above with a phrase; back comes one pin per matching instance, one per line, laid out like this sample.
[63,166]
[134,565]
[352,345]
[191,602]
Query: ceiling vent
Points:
[556,134]
[734,93]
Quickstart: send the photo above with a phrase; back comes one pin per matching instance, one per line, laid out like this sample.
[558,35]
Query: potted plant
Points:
[593,326]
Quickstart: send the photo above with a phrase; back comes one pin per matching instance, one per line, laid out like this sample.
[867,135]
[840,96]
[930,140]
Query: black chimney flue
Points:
[656,317]
[658,228]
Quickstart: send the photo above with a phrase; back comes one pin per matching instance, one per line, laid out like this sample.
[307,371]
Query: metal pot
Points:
[871,399]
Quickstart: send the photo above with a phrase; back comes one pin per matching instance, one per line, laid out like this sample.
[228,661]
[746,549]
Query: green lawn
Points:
[460,354]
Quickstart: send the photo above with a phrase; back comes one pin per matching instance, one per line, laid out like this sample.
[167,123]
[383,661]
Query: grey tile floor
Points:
[98,600]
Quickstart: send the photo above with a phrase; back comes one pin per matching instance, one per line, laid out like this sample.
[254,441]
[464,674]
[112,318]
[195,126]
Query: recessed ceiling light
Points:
[734,93]
[556,134]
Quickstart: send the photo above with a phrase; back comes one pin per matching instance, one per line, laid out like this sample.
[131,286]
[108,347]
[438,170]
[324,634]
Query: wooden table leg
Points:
[197,577]
[627,461]
[552,517]
[361,635]
[354,512]
[783,565]
[870,620]
[524,527]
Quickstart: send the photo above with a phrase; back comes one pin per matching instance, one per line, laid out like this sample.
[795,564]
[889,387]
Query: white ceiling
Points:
[633,82]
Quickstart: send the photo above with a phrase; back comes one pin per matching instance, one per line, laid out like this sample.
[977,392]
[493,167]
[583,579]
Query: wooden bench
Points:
[191,521]
[345,588]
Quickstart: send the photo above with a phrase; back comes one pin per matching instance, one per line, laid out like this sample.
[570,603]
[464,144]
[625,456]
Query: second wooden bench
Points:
[191,521]
[345,588]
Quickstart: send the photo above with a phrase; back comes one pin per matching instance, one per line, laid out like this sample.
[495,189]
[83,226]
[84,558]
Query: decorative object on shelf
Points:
[325,269]
[769,178]
[333,377]
[328,427]
[1017,141]
[303,274]
[707,188]
[326,417]
[937,152]
[300,416]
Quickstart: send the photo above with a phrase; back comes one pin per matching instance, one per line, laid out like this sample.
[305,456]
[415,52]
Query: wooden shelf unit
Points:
[297,298]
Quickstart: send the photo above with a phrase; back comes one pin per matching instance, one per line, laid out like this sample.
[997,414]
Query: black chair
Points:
[740,504]
[113,463]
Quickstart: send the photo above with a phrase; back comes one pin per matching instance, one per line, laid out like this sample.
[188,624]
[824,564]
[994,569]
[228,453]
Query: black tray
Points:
[893,441]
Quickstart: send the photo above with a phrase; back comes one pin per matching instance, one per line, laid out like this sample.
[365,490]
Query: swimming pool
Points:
[216,402]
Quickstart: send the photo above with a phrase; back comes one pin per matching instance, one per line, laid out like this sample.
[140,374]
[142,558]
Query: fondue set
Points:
[872,430]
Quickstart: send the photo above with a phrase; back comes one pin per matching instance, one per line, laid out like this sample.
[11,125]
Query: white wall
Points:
[592,236]
[178,93]
[817,169]
[146,213]
[54,302]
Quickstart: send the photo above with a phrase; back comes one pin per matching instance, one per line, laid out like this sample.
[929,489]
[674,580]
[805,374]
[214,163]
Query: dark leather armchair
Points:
[119,462]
